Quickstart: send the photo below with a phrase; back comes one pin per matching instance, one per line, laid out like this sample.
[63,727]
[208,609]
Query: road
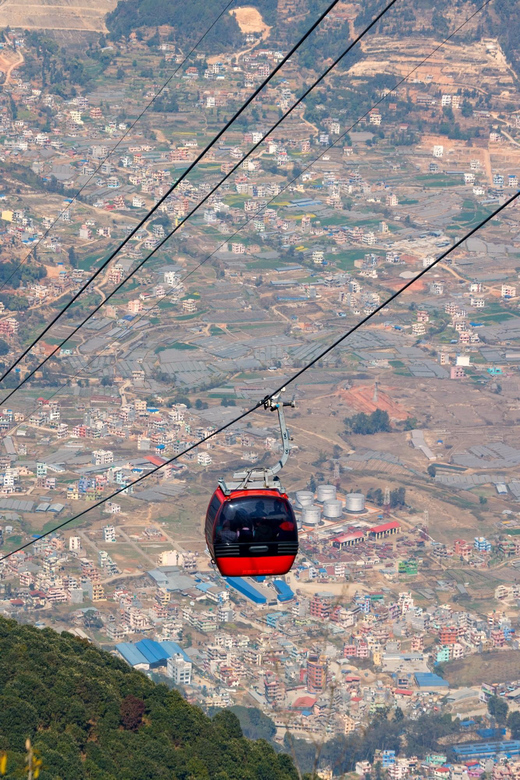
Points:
[175,545]
[89,542]
[327,439]
[136,547]
[14,65]
[509,137]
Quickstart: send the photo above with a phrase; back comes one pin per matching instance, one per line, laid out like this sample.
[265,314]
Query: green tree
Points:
[513,722]
[366,424]
[498,709]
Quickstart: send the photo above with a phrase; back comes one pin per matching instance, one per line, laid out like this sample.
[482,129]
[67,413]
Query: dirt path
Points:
[487,164]
[329,441]
[306,121]
[509,137]
[136,547]
[250,20]
[452,272]
[7,66]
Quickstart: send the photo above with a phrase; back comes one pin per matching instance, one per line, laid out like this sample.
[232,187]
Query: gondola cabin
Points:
[251,531]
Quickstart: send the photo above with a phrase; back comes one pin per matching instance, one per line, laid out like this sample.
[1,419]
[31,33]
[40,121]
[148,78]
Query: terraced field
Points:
[85,15]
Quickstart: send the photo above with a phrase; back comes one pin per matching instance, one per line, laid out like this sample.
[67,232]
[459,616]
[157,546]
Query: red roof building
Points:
[387,529]
[155,460]
[304,703]
[348,540]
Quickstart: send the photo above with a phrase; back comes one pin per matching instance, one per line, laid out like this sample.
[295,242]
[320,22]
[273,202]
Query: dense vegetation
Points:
[407,737]
[13,274]
[89,715]
[366,424]
[188,21]
[60,70]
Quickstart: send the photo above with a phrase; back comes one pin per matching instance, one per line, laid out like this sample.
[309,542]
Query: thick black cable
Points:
[291,181]
[292,379]
[174,186]
[175,229]
[118,144]
[285,187]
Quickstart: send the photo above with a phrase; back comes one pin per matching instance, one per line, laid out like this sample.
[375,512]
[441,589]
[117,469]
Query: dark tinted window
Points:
[213,509]
[256,519]
[211,514]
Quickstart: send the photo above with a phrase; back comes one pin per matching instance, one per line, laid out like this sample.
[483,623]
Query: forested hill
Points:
[188,21]
[89,715]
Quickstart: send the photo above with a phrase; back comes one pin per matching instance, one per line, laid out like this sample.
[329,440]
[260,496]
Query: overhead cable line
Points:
[174,186]
[295,178]
[118,144]
[285,187]
[260,404]
[186,218]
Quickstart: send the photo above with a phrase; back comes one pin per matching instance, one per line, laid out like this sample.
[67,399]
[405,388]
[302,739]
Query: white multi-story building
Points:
[74,543]
[171,278]
[109,534]
[179,670]
[103,457]
[111,508]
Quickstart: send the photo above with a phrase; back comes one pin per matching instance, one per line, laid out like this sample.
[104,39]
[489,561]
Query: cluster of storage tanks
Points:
[326,505]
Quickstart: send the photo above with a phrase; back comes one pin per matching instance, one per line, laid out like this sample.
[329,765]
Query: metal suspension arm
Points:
[275,404]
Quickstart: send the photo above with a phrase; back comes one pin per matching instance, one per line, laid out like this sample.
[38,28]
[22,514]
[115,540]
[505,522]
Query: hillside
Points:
[498,20]
[187,20]
[84,15]
[90,716]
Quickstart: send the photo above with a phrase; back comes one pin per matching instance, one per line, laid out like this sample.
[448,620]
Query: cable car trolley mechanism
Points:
[250,524]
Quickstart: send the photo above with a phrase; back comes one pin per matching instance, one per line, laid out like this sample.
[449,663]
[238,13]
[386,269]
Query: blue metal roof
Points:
[425,679]
[152,651]
[172,648]
[130,653]
[283,590]
[246,589]
[511,747]
[148,651]
[204,586]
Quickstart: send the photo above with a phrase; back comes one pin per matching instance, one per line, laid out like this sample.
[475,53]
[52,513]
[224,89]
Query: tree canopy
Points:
[89,715]
[368,423]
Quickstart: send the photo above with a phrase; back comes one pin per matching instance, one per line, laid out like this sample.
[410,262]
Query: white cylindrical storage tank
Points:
[326,493]
[311,515]
[355,502]
[333,509]
[304,497]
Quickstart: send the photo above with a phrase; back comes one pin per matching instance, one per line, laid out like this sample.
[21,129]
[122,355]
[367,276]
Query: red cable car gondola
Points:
[250,524]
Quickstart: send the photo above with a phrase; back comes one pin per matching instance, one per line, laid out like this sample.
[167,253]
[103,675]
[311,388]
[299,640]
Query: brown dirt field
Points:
[416,287]
[488,668]
[9,60]
[361,399]
[250,21]
[56,14]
